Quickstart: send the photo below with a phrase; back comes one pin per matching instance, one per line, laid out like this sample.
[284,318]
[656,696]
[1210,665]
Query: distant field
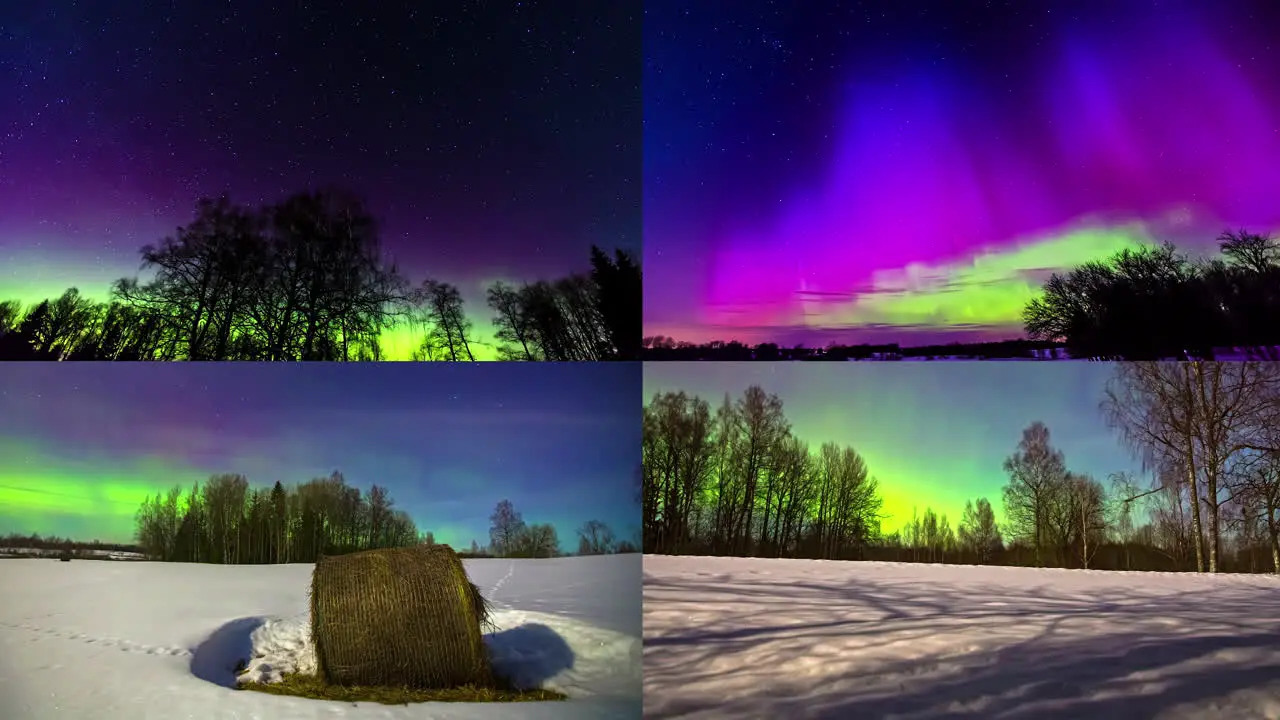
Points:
[49,553]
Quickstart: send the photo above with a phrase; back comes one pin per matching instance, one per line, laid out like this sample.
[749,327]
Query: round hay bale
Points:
[406,617]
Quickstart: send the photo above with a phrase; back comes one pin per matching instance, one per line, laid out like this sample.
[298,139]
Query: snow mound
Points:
[532,650]
[280,646]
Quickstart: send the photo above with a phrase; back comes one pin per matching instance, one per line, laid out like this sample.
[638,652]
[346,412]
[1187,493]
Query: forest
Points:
[305,279]
[737,481]
[225,521]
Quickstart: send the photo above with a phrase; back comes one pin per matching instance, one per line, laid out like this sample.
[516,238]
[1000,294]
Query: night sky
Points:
[933,434]
[910,171]
[493,140]
[81,445]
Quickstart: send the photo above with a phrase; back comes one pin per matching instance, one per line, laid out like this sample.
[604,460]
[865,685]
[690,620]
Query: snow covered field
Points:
[53,553]
[143,640]
[757,638]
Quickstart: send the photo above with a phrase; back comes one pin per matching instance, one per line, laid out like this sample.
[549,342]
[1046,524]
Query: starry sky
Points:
[493,141]
[81,445]
[933,434]
[910,171]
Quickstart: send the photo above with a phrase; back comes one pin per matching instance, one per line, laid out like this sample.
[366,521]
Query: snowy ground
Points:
[756,638]
[144,641]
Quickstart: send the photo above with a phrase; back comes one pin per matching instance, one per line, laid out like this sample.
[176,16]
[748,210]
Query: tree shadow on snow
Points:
[1019,681]
[529,655]
[215,659]
[1124,671]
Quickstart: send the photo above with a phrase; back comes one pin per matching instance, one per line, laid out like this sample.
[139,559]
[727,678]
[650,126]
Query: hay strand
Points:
[406,617]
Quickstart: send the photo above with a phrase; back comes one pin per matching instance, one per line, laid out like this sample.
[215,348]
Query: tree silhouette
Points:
[617,281]
[450,330]
[1250,251]
[514,327]
[304,279]
[1154,302]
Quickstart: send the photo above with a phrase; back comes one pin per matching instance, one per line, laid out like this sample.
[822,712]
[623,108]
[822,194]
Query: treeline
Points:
[1154,303]
[304,279]
[738,482]
[511,537]
[94,550]
[1209,432]
[53,542]
[227,522]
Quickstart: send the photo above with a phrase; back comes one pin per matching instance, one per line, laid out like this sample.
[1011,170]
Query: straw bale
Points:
[405,617]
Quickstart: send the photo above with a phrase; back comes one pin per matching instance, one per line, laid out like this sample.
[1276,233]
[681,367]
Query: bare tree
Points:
[513,327]
[739,482]
[506,529]
[450,330]
[979,531]
[1124,493]
[596,538]
[676,464]
[1198,417]
[1036,470]
[1088,502]
[1152,406]
[794,494]
[1252,251]
[1257,481]
[537,541]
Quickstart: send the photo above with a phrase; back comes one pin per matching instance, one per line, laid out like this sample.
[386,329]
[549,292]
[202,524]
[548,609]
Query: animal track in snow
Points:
[511,568]
[122,645]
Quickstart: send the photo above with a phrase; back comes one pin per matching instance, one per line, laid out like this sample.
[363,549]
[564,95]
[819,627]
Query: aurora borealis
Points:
[81,445]
[492,142]
[932,434]
[911,172]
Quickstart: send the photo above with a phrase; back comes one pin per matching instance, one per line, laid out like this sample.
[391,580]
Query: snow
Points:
[144,640]
[768,638]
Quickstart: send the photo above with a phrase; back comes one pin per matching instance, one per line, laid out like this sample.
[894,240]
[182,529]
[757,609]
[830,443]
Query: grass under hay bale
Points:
[311,686]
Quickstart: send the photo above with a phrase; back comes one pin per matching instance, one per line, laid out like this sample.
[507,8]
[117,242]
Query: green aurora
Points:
[50,494]
[83,444]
